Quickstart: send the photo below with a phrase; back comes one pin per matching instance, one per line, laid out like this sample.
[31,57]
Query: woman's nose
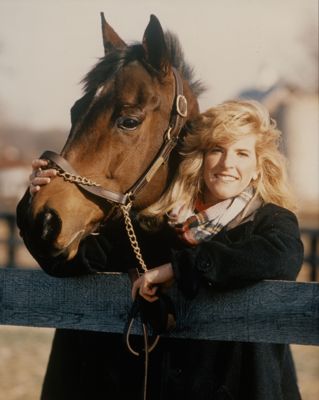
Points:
[227,160]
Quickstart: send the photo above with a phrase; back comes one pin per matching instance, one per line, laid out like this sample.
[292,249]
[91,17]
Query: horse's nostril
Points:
[48,225]
[48,220]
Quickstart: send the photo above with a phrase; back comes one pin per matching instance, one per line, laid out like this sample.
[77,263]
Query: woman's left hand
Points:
[148,283]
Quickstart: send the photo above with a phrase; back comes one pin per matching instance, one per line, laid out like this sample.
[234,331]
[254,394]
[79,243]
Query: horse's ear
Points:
[111,39]
[155,46]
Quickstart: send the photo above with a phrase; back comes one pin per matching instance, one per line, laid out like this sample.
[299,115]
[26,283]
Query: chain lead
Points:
[67,176]
[131,235]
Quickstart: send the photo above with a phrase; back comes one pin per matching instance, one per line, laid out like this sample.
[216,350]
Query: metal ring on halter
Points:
[181,105]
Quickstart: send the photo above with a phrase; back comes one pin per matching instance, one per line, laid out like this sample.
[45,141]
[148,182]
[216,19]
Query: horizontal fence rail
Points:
[268,311]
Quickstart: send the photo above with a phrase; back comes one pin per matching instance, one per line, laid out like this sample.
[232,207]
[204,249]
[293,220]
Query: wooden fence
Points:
[269,311]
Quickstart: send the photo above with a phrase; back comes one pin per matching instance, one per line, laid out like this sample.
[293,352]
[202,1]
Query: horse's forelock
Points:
[104,70]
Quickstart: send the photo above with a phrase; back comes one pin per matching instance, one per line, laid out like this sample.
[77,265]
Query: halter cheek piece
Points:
[171,135]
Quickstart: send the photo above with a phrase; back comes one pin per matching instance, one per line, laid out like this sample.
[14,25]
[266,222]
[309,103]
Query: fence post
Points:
[11,241]
[312,257]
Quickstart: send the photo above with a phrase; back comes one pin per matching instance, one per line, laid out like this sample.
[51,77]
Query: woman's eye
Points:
[242,154]
[128,123]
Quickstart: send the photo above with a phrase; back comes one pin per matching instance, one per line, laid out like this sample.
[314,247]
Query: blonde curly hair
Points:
[220,125]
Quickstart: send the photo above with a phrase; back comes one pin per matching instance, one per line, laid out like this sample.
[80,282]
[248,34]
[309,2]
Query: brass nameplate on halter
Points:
[154,168]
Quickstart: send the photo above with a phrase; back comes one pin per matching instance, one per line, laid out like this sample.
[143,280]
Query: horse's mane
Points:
[112,62]
[176,57]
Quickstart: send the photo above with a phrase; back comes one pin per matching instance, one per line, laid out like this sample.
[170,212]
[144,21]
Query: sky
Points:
[47,46]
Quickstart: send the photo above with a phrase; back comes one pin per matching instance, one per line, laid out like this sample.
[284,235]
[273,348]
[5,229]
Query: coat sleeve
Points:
[91,257]
[270,248]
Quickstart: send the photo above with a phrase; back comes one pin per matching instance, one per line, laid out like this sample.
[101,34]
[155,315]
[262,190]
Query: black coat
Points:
[92,365]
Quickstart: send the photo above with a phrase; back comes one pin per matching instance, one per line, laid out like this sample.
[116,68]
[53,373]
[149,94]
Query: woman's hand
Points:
[148,283]
[38,176]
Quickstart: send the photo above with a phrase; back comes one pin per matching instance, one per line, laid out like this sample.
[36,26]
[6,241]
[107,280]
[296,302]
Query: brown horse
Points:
[123,130]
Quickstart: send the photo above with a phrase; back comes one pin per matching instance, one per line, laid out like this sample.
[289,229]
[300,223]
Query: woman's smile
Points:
[225,177]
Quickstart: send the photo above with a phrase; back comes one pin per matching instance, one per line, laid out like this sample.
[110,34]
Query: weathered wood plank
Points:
[269,311]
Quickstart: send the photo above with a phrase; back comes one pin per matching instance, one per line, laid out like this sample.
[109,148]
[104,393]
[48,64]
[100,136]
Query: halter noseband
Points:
[171,135]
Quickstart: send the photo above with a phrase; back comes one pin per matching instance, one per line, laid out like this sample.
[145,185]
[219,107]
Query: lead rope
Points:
[146,359]
[137,251]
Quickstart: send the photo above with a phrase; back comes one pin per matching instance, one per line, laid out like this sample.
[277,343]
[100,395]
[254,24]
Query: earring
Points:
[255,176]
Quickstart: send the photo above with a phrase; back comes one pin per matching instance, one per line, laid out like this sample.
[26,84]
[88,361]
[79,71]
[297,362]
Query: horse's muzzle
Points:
[43,232]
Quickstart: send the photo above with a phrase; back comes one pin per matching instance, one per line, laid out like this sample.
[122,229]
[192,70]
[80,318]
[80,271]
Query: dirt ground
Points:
[23,358]
[24,353]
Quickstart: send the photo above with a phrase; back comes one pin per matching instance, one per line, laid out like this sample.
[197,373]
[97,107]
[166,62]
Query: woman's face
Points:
[229,168]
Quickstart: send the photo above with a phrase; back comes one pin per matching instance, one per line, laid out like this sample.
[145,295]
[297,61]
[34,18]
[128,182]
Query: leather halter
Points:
[171,135]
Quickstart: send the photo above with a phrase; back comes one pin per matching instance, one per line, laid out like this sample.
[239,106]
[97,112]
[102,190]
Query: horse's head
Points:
[118,128]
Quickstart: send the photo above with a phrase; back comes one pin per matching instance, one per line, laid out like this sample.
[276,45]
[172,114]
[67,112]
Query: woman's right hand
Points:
[40,177]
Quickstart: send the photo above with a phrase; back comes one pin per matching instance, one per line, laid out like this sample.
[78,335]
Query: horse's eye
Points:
[128,123]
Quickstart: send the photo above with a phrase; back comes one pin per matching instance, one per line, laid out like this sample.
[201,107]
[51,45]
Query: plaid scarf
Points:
[196,227]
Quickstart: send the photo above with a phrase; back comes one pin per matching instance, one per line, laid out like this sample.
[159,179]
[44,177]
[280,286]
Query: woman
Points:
[231,156]
[226,221]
